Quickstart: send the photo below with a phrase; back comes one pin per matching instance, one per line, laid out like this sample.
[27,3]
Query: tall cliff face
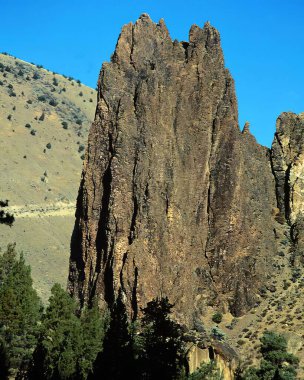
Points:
[288,167]
[174,199]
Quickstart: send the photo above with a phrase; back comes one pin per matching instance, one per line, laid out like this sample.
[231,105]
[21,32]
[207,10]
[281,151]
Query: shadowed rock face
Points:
[174,199]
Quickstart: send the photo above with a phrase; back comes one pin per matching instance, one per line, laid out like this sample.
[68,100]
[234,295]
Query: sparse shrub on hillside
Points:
[33,132]
[78,81]
[53,103]
[6,217]
[39,66]
[217,333]
[91,100]
[9,117]
[217,317]
[81,148]
[27,125]
[78,121]
[41,98]
[82,157]
[81,93]
[49,145]
[1,83]
[10,86]
[64,125]
[14,108]
[55,82]
[20,73]
[36,75]
[41,118]
[29,101]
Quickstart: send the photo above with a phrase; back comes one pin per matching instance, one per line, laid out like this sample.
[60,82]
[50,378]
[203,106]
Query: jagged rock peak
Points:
[246,128]
[174,200]
[151,39]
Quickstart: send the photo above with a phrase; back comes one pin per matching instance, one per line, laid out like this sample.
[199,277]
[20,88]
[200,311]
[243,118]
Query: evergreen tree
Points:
[116,361]
[93,329]
[163,354]
[4,362]
[20,308]
[207,371]
[277,363]
[68,344]
[57,351]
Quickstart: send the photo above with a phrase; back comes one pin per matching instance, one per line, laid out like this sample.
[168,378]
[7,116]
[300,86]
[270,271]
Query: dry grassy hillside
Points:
[44,122]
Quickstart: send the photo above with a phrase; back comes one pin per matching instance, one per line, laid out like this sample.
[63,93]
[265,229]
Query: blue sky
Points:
[263,43]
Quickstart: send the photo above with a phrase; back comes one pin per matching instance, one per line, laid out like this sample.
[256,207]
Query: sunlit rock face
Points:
[288,165]
[174,199]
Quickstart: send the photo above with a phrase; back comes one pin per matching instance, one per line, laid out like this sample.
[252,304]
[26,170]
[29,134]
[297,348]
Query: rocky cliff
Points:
[288,168]
[174,199]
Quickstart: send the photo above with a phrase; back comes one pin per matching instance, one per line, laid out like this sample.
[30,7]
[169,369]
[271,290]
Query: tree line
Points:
[61,342]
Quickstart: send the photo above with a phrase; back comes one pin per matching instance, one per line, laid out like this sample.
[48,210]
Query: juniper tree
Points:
[20,307]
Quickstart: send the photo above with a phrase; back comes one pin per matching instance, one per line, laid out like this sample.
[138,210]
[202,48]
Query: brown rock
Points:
[174,199]
[288,169]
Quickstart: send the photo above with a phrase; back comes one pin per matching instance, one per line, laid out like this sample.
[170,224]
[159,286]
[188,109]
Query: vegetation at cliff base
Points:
[276,363]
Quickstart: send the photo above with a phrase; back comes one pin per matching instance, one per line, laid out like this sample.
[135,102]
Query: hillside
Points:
[44,122]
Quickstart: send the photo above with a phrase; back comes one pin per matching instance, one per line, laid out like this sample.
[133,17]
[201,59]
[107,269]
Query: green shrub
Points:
[64,125]
[276,362]
[53,103]
[41,98]
[49,145]
[81,148]
[217,333]
[207,371]
[217,317]
[27,125]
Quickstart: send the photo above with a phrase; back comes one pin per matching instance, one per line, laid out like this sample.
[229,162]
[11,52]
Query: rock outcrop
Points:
[288,168]
[174,199]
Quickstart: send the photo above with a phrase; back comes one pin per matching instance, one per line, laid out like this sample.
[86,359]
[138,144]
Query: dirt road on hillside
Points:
[42,210]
